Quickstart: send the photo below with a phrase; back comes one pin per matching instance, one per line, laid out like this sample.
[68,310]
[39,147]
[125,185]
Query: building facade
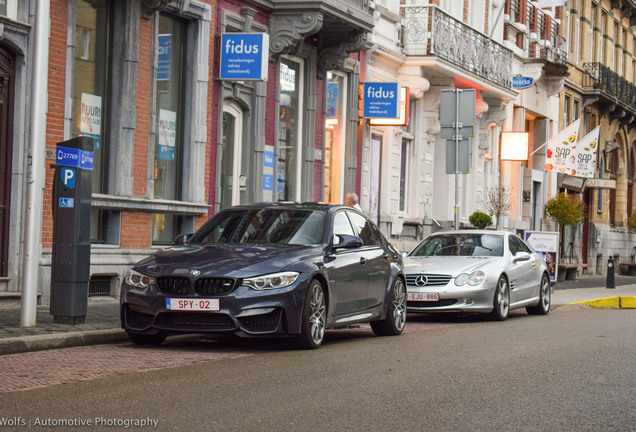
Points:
[600,90]
[480,45]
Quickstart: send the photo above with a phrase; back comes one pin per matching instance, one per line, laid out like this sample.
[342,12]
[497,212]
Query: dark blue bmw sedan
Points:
[269,269]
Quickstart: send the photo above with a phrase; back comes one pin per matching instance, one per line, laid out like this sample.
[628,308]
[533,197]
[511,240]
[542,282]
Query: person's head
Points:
[352,199]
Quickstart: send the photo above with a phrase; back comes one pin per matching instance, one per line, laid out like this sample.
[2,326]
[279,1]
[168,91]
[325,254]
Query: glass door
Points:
[229,179]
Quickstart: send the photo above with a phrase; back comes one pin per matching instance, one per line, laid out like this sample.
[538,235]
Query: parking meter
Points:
[70,267]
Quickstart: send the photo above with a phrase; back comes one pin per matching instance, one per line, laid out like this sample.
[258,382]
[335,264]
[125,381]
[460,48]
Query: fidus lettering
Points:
[241,48]
[378,93]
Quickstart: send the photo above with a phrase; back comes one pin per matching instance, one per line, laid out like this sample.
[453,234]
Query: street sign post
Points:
[457,119]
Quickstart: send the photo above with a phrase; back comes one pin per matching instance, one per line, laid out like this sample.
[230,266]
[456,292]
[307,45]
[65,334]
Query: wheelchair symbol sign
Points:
[68,177]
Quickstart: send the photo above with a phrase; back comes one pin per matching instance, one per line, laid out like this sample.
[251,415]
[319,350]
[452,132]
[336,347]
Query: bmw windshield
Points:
[258,226]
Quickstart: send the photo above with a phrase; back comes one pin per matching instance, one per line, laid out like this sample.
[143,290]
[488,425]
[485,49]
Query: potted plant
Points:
[480,220]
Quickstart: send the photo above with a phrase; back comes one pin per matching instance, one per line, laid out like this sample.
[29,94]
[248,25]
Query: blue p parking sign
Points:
[68,177]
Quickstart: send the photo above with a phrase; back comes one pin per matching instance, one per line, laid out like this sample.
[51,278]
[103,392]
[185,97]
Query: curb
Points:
[611,302]
[23,344]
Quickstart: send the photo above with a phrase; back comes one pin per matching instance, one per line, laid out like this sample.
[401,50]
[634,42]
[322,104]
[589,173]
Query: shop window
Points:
[335,127]
[92,81]
[289,128]
[168,160]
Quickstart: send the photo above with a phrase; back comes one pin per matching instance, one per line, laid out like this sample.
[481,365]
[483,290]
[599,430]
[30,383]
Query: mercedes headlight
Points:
[138,280]
[271,281]
[473,279]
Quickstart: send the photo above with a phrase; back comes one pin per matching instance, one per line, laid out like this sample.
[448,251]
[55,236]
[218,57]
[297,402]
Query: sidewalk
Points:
[103,326]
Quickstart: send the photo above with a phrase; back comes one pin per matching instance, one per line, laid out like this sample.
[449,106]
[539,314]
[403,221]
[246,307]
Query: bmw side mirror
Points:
[348,242]
[182,239]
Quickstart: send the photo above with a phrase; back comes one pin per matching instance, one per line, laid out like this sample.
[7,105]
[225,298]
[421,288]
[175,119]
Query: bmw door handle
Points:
[363,260]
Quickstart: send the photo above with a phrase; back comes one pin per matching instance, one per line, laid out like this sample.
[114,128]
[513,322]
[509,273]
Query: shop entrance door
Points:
[230,177]
[7,71]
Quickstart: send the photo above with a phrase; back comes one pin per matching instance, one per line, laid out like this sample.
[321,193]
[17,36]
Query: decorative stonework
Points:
[411,77]
[149,7]
[287,32]
[334,57]
[496,114]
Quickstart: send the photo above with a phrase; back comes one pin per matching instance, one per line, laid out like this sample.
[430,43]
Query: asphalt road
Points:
[572,370]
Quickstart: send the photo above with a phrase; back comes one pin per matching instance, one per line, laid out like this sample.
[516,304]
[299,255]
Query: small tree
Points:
[631,224]
[566,210]
[498,202]
[480,220]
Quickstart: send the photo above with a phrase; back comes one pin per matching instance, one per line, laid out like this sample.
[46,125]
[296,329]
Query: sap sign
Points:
[381,100]
[244,56]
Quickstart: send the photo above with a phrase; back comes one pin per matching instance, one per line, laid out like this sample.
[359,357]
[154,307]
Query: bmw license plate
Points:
[422,297]
[186,304]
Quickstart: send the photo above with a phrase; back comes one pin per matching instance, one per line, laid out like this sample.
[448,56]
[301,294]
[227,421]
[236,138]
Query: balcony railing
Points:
[610,84]
[535,32]
[428,31]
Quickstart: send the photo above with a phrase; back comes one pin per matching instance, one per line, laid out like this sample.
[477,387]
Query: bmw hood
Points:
[223,260]
[452,265]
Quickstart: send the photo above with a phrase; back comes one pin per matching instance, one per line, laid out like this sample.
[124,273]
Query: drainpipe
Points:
[35,164]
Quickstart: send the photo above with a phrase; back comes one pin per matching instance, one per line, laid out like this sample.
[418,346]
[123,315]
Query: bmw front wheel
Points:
[314,318]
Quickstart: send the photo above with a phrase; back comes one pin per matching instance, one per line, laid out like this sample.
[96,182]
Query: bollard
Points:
[610,273]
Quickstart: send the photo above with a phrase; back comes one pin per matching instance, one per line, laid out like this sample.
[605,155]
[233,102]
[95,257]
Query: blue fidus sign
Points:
[521,82]
[244,56]
[381,100]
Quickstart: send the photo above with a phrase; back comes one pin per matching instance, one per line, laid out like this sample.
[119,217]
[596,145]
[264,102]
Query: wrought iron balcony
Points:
[429,31]
[535,32]
[615,89]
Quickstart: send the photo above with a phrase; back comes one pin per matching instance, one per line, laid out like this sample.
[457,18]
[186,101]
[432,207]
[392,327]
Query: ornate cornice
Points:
[287,31]
[149,7]
[334,57]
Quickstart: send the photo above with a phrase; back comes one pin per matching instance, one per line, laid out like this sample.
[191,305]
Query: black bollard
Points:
[610,273]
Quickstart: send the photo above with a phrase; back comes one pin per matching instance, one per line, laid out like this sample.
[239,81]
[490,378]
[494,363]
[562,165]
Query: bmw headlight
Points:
[138,280]
[473,279]
[271,281]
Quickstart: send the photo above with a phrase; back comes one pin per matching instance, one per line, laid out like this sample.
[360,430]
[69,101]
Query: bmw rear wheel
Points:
[395,319]
[314,318]
[543,307]
[501,302]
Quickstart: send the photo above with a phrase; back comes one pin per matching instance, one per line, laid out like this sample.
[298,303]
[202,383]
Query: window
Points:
[603,51]
[289,128]
[623,53]
[167,166]
[3,7]
[595,33]
[335,127]
[364,229]
[341,226]
[404,172]
[617,48]
[91,90]
[567,101]
[576,110]
[574,30]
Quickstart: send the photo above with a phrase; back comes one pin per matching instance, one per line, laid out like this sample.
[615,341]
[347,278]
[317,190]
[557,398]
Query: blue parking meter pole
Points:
[70,266]
[610,283]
